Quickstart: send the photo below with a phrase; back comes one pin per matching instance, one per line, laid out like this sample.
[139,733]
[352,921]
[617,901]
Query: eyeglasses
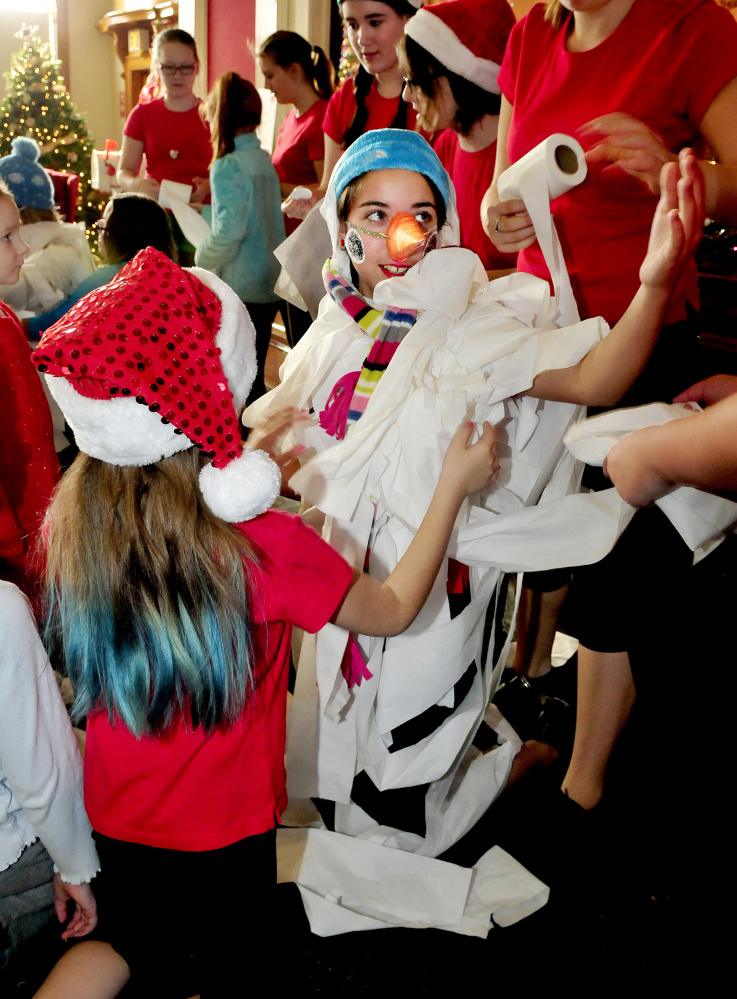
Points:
[405,235]
[99,225]
[409,84]
[186,70]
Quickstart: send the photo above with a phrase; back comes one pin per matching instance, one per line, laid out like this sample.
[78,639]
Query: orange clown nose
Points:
[404,236]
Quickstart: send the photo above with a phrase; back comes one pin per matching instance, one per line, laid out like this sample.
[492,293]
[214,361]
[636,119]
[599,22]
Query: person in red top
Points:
[373,99]
[299,74]
[450,55]
[635,81]
[169,130]
[172,592]
[29,469]
[658,69]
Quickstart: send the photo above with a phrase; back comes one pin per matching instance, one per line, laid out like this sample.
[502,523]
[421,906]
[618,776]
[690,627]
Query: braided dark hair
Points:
[361,87]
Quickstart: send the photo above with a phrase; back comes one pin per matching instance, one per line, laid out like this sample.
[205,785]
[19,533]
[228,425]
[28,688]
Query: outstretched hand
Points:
[471,468]
[629,143]
[84,919]
[269,432]
[677,224]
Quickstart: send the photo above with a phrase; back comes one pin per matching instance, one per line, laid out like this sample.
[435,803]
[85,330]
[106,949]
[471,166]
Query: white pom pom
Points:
[243,489]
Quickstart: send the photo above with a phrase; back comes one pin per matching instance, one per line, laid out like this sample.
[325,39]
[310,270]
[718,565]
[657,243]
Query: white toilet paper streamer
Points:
[547,171]
[701,518]
[175,197]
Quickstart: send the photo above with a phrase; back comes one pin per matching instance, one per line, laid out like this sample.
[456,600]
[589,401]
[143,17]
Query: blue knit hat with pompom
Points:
[27,180]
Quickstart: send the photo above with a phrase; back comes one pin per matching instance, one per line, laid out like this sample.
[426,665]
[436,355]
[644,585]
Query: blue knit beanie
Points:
[27,180]
[390,149]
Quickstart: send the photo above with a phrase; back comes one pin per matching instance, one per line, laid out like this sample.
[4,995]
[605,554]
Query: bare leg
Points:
[537,620]
[605,697]
[89,970]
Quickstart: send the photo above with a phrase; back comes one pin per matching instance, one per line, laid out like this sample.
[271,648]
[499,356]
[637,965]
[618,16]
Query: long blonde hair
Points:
[147,594]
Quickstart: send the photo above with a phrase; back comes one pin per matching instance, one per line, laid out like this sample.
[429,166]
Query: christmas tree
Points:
[38,105]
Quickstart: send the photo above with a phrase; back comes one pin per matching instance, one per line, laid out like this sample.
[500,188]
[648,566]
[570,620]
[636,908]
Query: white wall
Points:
[95,70]
[10,23]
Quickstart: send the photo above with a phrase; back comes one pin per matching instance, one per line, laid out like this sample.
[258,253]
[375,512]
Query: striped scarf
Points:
[350,395]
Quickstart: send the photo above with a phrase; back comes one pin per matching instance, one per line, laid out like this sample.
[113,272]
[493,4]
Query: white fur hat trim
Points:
[121,431]
[429,31]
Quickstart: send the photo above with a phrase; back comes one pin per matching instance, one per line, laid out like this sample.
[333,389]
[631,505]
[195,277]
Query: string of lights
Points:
[38,105]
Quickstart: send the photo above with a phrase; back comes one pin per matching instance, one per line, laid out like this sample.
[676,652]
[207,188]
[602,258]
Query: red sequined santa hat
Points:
[467,36]
[157,360]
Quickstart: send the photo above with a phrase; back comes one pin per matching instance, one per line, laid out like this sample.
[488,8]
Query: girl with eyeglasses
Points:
[169,130]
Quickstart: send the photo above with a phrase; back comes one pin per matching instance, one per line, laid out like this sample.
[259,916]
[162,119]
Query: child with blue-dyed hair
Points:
[172,589]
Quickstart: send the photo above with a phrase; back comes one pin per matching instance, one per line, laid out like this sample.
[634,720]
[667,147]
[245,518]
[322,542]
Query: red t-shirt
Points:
[176,143]
[471,173]
[664,64]
[300,143]
[381,112]
[187,790]
[29,469]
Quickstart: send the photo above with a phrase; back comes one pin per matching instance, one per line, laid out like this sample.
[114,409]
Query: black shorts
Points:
[178,916]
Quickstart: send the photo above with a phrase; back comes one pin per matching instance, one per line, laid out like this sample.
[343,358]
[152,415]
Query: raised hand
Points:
[269,433]
[629,143]
[678,222]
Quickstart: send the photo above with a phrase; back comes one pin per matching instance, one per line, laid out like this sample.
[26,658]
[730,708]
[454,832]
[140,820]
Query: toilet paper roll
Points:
[550,169]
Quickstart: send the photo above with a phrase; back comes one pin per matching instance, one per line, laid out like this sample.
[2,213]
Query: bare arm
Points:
[719,126]
[506,223]
[388,608]
[698,451]
[333,152]
[603,376]
[300,209]
[131,155]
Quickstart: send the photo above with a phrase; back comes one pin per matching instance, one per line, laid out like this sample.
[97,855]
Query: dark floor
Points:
[618,911]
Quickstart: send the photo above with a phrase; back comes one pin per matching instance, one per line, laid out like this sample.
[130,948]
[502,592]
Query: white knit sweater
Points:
[40,766]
